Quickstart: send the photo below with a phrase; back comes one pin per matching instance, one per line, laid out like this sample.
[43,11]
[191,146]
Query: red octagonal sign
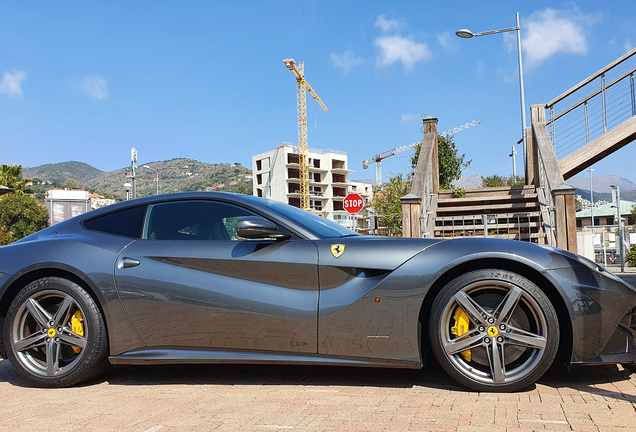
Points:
[353,203]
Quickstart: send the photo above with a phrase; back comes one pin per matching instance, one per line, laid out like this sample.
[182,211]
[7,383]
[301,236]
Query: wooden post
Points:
[532,168]
[537,115]
[427,160]
[411,212]
[565,212]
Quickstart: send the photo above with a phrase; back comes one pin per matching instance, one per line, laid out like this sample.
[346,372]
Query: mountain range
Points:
[181,174]
[175,175]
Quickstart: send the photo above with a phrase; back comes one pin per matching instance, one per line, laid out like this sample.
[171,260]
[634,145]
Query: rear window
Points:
[126,223]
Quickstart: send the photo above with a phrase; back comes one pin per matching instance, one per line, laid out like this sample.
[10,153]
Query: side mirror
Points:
[257,228]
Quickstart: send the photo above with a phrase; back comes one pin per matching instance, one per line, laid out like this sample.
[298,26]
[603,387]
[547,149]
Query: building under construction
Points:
[276,175]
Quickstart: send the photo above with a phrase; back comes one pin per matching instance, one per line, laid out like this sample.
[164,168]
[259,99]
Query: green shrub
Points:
[631,256]
[20,216]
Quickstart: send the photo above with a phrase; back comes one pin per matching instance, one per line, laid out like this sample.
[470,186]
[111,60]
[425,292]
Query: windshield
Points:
[320,227]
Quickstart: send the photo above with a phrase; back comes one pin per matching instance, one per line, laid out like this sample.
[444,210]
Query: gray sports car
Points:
[224,278]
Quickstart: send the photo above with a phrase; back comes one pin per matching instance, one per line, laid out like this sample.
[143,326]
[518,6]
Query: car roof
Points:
[252,202]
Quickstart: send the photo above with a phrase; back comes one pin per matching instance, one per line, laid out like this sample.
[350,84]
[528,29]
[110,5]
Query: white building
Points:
[98,201]
[277,177]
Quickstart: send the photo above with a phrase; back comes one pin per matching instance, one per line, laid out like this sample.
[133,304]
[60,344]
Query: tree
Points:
[11,177]
[450,163]
[245,189]
[386,202]
[20,216]
[498,181]
[71,184]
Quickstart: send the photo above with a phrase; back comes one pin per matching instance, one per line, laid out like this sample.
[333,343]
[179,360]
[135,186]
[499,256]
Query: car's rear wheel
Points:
[494,330]
[55,334]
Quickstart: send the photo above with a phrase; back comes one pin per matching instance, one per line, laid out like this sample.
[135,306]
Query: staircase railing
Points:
[550,176]
[512,226]
[546,203]
[594,106]
[430,206]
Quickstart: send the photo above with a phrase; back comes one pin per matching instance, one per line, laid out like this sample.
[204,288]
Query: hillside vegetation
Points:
[60,172]
[176,175]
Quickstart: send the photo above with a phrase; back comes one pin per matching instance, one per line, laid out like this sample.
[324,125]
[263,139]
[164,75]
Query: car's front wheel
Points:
[55,334]
[494,330]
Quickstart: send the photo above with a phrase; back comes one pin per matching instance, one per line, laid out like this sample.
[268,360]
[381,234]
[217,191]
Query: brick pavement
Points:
[279,398]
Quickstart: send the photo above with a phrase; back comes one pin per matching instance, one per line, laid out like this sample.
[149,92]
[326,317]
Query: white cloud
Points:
[345,61]
[95,86]
[11,83]
[400,49]
[389,25]
[407,118]
[509,75]
[448,41]
[629,45]
[552,31]
[510,42]
[481,66]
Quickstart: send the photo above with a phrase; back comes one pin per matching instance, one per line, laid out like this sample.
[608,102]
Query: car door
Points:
[192,283]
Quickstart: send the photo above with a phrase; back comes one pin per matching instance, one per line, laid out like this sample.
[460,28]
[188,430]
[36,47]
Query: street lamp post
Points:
[616,197]
[157,172]
[467,34]
[591,170]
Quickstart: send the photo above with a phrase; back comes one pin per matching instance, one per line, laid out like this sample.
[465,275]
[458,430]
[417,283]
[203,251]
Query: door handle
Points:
[128,262]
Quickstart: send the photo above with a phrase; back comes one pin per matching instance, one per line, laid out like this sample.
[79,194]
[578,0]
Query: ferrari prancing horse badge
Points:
[337,250]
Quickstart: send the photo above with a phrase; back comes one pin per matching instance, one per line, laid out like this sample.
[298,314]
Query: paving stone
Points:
[258,398]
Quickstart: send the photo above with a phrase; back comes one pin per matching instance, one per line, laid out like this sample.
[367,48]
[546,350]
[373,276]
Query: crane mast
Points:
[303,150]
[377,159]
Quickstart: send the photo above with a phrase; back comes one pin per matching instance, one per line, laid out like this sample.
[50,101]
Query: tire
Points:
[494,330]
[43,334]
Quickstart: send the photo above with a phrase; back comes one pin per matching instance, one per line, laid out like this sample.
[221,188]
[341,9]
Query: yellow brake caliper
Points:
[77,325]
[461,327]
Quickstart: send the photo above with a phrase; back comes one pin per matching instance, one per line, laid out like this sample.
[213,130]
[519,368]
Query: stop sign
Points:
[353,203]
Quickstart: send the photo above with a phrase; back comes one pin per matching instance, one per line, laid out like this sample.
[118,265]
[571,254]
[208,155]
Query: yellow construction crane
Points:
[303,85]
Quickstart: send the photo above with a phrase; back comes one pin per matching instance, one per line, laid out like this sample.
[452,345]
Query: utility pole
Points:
[513,155]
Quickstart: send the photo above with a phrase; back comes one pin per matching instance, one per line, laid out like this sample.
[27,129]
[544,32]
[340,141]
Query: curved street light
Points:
[467,34]
[157,172]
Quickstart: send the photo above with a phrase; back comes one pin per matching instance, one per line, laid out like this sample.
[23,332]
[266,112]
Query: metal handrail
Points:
[596,93]
[590,78]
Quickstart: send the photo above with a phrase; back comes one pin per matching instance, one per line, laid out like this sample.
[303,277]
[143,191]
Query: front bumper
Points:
[602,312]
[621,347]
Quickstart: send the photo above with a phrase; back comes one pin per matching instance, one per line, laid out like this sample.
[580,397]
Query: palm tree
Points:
[11,177]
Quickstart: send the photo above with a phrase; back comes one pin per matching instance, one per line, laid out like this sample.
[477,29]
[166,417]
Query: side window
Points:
[194,220]
[126,223]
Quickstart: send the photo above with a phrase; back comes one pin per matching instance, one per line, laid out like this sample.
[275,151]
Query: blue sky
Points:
[87,81]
